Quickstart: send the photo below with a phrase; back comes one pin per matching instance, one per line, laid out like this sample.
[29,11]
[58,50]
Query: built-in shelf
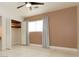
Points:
[16,24]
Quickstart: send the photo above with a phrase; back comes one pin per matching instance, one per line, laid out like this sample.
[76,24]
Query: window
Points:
[35,26]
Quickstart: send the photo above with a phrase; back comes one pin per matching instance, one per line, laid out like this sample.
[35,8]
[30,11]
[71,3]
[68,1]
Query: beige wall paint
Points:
[0,26]
[62,27]
[0,32]
[35,37]
[4,46]
[78,26]
[16,36]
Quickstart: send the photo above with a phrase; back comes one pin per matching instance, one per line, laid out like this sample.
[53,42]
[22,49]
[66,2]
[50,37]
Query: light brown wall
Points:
[0,32]
[62,27]
[35,37]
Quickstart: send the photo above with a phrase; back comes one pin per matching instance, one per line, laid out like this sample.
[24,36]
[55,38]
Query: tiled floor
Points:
[36,51]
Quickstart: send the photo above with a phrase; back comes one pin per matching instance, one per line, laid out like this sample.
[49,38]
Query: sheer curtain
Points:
[45,37]
[25,35]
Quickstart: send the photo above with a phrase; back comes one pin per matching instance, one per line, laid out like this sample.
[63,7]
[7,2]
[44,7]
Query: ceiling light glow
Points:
[28,4]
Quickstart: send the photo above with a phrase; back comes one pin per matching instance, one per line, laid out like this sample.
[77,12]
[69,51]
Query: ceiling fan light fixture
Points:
[28,4]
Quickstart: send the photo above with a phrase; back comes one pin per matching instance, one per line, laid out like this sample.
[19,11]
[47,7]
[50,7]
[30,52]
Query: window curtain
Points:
[45,37]
[25,36]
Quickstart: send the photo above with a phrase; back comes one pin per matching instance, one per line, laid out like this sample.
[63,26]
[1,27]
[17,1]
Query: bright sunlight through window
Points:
[35,26]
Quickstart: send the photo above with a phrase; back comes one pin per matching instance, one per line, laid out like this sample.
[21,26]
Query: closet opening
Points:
[16,32]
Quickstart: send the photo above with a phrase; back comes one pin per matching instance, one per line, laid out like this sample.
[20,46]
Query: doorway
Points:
[16,32]
[35,29]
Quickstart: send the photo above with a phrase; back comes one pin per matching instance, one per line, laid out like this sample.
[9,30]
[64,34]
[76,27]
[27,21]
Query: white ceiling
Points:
[47,7]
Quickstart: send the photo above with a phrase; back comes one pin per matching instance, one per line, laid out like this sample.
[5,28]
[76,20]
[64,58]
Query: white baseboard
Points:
[22,44]
[35,45]
[55,47]
[64,48]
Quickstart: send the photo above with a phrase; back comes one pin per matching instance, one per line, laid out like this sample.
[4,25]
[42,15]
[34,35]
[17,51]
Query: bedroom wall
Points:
[35,37]
[62,27]
[78,26]
[0,32]
[0,26]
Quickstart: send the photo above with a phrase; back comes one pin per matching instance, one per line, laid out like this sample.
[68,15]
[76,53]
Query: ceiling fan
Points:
[29,4]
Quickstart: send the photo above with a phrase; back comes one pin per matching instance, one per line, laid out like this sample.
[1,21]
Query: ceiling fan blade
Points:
[21,6]
[36,3]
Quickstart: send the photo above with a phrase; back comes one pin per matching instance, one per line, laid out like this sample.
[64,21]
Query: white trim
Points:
[64,48]
[23,33]
[3,42]
[56,47]
[8,33]
[32,44]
